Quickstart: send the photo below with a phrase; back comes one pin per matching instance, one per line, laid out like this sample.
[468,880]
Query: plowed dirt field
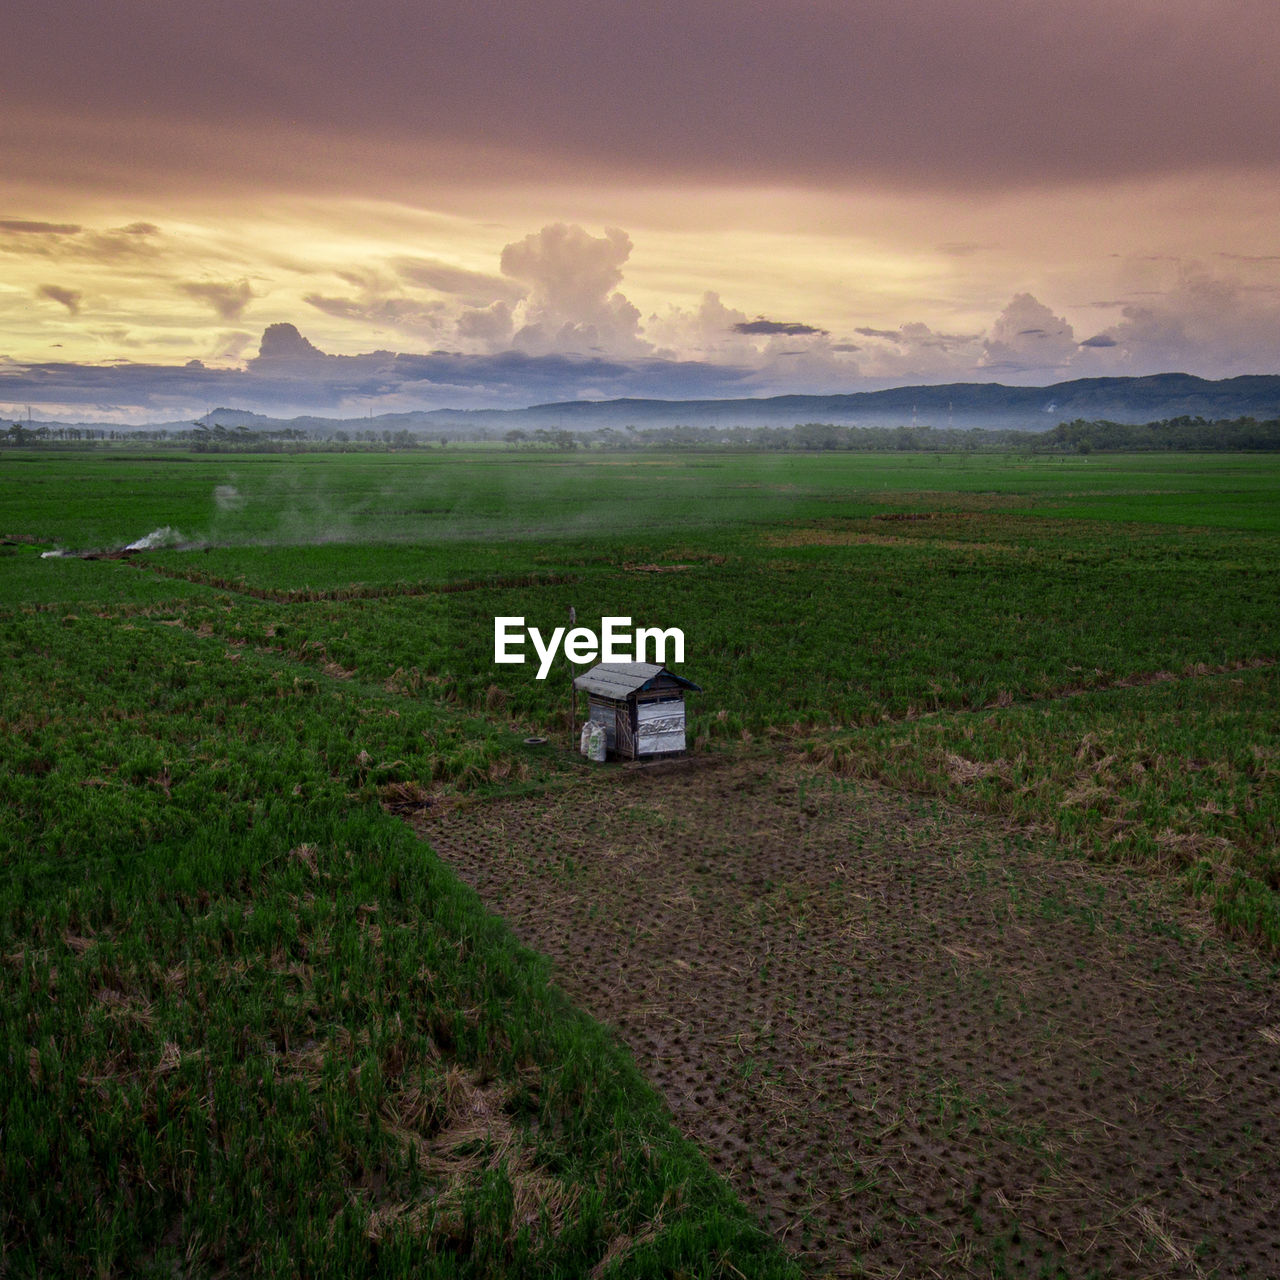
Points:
[917,1042]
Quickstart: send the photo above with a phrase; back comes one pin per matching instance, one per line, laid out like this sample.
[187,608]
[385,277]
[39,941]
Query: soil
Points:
[918,1043]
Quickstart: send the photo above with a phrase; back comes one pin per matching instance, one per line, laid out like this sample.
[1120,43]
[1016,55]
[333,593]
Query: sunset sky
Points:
[495,204]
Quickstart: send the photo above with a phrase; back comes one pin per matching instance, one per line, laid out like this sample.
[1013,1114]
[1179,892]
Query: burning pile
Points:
[157,540]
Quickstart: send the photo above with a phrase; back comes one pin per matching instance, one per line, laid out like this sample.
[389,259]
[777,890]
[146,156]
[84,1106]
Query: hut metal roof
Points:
[621,679]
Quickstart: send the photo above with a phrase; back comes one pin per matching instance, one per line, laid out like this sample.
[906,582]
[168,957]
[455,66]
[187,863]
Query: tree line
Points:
[1081,436]
[1185,434]
[209,439]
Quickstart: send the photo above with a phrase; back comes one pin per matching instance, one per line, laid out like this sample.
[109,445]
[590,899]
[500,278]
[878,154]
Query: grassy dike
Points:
[250,1024]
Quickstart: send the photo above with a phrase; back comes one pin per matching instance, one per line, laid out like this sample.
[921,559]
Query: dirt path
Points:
[915,1043]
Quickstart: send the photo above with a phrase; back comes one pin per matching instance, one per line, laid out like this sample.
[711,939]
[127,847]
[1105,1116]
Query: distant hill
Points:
[956,404]
[960,404]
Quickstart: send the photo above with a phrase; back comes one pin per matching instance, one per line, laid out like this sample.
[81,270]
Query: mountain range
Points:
[959,404]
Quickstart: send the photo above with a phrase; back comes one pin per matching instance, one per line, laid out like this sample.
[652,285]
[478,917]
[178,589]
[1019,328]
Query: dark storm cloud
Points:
[973,92]
[291,375]
[791,327]
[1100,340]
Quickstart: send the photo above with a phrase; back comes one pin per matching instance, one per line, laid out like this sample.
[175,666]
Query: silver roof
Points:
[621,679]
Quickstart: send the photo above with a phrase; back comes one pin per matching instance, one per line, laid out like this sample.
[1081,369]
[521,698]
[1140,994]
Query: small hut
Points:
[640,704]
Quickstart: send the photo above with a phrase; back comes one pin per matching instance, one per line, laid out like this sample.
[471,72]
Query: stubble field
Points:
[916,1042]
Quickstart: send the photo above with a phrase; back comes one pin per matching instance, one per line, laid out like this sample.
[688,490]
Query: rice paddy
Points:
[255,1024]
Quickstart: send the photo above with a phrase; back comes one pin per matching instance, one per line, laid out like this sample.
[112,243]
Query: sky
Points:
[352,209]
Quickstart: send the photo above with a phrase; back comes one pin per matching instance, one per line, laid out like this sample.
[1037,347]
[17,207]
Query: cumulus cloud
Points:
[69,298]
[1204,324]
[228,299]
[1028,338]
[572,304]
[283,342]
[817,365]
[768,349]
[292,375]
[709,330]
[914,352]
[491,326]
[565,330]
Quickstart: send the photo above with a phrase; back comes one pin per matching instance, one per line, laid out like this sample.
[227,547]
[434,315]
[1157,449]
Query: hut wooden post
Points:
[573,692]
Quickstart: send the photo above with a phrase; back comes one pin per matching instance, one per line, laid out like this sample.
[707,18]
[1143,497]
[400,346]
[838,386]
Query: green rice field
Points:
[254,1025]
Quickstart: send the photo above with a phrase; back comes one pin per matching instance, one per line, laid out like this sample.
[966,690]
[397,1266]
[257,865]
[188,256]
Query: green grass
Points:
[102,499]
[253,1024]
[247,1013]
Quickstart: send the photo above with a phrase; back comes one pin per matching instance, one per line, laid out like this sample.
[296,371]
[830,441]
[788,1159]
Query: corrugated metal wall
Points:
[660,727]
